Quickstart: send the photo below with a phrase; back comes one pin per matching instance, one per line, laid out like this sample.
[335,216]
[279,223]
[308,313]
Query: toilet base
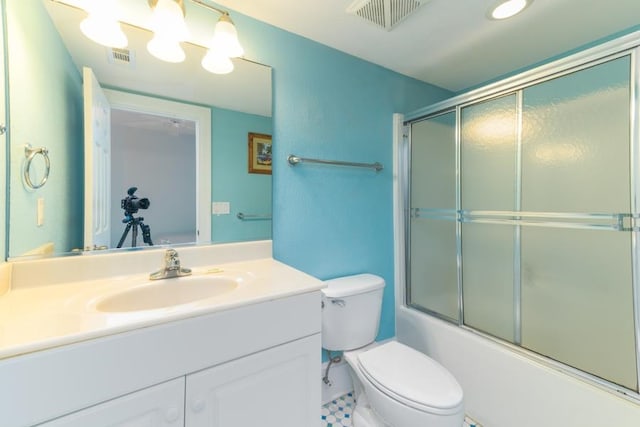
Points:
[363,416]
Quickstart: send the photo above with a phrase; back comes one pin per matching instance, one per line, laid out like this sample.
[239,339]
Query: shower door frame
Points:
[628,45]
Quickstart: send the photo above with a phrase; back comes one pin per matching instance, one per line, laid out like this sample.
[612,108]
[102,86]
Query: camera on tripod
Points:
[131,204]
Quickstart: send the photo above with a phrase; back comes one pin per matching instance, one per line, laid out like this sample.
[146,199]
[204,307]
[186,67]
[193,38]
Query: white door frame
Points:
[178,110]
[97,163]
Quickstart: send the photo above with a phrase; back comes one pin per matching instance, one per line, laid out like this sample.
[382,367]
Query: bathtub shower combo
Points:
[521,213]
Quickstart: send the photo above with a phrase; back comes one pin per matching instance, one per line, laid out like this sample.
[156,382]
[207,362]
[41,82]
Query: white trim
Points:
[202,117]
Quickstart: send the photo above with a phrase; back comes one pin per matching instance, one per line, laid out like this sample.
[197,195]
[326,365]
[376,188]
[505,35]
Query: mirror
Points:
[45,55]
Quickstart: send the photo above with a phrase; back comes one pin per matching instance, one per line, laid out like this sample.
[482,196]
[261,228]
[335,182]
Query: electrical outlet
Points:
[221,208]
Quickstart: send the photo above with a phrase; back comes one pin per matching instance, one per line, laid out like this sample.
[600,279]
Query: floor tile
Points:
[338,413]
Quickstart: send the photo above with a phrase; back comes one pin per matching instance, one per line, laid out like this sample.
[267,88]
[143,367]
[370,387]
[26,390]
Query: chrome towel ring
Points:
[30,153]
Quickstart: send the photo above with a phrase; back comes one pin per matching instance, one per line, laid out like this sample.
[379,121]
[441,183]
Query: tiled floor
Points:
[337,413]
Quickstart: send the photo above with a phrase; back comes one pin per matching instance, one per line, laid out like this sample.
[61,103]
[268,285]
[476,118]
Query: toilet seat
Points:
[411,378]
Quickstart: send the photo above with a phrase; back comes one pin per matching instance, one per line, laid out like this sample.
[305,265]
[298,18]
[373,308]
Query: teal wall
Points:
[231,181]
[44,87]
[332,221]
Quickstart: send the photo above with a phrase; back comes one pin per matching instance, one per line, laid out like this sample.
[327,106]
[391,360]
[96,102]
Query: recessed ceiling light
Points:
[507,9]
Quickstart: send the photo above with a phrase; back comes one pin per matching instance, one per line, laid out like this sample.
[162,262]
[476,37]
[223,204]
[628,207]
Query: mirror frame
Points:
[202,117]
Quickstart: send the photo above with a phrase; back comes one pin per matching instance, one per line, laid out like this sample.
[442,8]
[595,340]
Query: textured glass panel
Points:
[576,141]
[433,276]
[577,300]
[487,278]
[488,155]
[433,163]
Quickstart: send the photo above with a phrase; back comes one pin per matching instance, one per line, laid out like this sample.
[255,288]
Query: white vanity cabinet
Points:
[271,388]
[253,365]
[158,406]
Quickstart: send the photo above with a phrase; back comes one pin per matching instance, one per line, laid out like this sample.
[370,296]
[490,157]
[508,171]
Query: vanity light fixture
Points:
[223,47]
[507,9]
[225,38]
[169,29]
[101,24]
[224,44]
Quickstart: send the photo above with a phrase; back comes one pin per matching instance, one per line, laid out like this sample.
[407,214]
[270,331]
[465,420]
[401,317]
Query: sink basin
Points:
[167,293]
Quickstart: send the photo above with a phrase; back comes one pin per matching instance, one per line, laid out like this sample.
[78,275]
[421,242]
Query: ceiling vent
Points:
[384,13]
[123,57]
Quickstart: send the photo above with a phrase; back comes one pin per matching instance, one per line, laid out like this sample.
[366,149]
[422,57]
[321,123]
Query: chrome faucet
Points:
[170,267]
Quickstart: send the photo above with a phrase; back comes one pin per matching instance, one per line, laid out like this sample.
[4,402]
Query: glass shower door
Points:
[488,181]
[577,284]
[433,272]
[524,221]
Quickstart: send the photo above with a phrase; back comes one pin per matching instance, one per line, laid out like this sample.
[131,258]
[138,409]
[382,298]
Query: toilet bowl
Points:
[398,386]
[394,385]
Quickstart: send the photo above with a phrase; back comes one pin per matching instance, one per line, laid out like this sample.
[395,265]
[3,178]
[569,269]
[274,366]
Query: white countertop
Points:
[34,318]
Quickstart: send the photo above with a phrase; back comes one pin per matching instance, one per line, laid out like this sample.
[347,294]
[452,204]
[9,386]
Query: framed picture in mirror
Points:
[259,153]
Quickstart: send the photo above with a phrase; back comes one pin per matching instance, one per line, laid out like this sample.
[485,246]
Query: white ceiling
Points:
[153,122]
[450,43]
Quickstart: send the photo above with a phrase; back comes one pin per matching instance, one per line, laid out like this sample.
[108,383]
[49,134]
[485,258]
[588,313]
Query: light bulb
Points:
[101,24]
[168,18]
[225,38]
[217,63]
[508,9]
[167,50]
[167,22]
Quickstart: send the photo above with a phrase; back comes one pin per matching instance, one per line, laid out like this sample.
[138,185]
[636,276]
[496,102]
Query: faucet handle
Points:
[171,267]
[171,259]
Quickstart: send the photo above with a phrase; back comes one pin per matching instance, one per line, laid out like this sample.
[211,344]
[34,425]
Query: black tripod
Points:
[135,223]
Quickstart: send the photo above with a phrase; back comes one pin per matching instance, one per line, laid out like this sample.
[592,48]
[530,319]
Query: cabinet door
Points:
[158,406]
[278,387]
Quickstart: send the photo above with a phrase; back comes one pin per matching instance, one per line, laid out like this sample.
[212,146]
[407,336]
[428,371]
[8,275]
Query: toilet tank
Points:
[351,308]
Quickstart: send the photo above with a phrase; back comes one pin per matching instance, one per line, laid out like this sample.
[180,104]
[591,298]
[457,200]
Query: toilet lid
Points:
[411,377]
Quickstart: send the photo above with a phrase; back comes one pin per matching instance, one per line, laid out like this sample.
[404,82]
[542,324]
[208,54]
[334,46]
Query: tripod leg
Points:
[146,234]
[134,235]
[124,235]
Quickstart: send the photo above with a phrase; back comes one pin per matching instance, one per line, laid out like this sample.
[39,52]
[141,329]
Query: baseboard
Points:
[340,381]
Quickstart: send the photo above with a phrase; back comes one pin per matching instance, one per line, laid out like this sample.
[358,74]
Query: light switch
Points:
[40,212]
[220,208]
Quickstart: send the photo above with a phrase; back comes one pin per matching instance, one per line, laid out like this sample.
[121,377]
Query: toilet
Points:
[394,385]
